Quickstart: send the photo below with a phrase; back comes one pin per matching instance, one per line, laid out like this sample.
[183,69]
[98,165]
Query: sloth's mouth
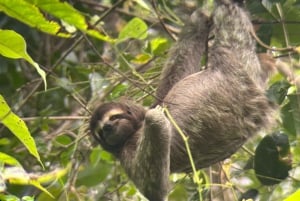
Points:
[101,136]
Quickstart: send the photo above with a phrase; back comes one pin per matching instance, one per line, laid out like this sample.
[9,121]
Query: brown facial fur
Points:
[129,119]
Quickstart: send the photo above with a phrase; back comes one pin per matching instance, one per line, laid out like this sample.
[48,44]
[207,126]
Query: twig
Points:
[260,42]
[187,146]
[56,118]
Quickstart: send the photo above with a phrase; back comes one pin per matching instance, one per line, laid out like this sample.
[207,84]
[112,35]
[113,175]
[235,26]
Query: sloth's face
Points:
[115,127]
[112,124]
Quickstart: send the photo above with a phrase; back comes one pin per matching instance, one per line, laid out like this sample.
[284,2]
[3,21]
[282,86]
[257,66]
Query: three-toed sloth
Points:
[218,108]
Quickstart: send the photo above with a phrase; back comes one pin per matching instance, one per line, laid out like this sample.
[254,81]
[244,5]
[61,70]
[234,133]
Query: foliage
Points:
[18,128]
[13,46]
[96,51]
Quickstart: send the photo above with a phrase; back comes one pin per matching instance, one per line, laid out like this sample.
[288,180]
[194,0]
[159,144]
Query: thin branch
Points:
[187,146]
[56,118]
[153,2]
[275,22]
[133,82]
[260,42]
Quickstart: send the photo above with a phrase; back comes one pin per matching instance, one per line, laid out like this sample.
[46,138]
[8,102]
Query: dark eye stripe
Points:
[119,116]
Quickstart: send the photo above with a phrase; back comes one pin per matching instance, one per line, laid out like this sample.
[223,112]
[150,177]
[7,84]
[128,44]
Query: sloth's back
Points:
[220,110]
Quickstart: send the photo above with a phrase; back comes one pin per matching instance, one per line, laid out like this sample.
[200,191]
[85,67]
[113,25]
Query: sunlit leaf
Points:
[8,197]
[64,11]
[18,127]
[53,176]
[159,46]
[7,159]
[294,197]
[13,45]
[17,175]
[141,59]
[30,15]
[136,28]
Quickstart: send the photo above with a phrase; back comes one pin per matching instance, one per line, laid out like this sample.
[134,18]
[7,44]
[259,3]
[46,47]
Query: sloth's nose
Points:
[107,127]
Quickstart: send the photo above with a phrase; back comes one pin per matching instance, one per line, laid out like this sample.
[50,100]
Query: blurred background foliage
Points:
[95,51]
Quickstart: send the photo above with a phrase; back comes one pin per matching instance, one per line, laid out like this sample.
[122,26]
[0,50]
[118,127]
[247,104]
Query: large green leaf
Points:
[272,159]
[290,114]
[28,12]
[18,127]
[13,45]
[64,11]
[136,28]
[31,15]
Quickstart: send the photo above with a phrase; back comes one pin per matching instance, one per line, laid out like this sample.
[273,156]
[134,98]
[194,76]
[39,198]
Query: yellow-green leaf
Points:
[136,28]
[54,175]
[13,45]
[294,197]
[18,127]
[64,11]
[159,46]
[7,159]
[31,15]
[17,175]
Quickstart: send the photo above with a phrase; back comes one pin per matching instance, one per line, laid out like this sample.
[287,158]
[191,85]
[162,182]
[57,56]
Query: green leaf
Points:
[18,127]
[53,176]
[136,28]
[28,12]
[91,175]
[290,114]
[141,59]
[63,139]
[31,15]
[272,159]
[9,197]
[159,46]
[17,175]
[70,15]
[294,197]
[13,45]
[278,91]
[27,198]
[7,159]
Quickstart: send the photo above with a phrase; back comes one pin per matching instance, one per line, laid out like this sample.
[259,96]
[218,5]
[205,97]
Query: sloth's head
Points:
[112,124]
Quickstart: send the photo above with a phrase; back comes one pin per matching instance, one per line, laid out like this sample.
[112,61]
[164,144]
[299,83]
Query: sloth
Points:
[217,108]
